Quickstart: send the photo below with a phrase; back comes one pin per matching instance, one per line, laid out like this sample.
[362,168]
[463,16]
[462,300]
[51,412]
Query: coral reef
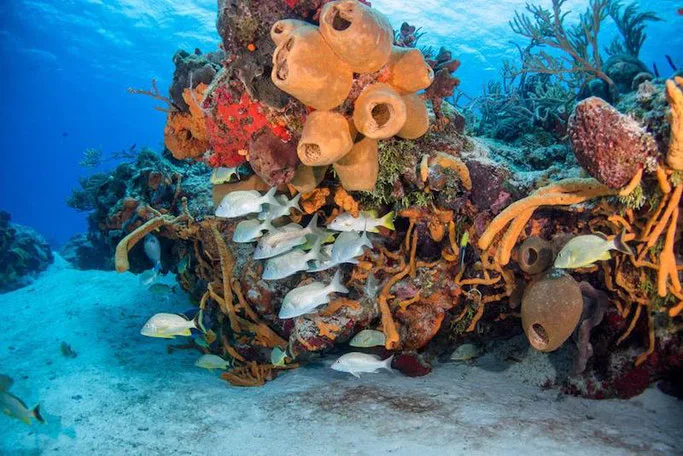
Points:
[23,254]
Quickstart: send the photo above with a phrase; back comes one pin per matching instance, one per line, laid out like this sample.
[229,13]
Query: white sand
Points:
[124,394]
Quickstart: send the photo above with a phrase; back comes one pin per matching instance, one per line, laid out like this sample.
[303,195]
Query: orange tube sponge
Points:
[281,30]
[305,67]
[358,169]
[358,34]
[417,117]
[307,178]
[675,96]
[409,72]
[379,112]
[326,138]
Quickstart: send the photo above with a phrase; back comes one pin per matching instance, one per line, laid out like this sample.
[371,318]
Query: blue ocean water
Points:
[68,63]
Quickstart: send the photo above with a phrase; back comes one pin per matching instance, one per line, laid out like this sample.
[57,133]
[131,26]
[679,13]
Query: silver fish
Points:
[244,202]
[283,209]
[251,230]
[212,362]
[153,250]
[14,407]
[278,357]
[325,261]
[348,246]
[291,262]
[167,326]
[585,250]
[366,221]
[223,175]
[368,338]
[356,363]
[466,352]
[284,239]
[305,299]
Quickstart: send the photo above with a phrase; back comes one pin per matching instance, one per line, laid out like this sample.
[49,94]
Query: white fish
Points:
[291,262]
[284,239]
[356,363]
[153,250]
[367,221]
[466,352]
[243,202]
[281,210]
[368,338]
[211,362]
[167,325]
[223,175]
[348,246]
[251,230]
[305,299]
[325,262]
[278,357]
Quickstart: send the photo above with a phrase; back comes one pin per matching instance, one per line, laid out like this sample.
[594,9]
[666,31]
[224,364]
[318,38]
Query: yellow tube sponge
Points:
[358,169]
[305,67]
[417,117]
[409,72]
[379,112]
[326,138]
[358,34]
[675,96]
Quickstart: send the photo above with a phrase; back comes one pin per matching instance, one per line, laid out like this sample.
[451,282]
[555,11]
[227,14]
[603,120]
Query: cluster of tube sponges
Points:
[316,65]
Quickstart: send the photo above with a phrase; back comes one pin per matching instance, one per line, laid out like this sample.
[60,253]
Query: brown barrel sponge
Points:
[358,169]
[535,255]
[326,138]
[417,117]
[379,112]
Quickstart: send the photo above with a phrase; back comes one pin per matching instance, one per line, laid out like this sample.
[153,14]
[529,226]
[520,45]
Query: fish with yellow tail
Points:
[307,298]
[366,221]
[14,407]
[357,363]
[585,250]
[244,202]
[285,239]
[282,210]
[168,325]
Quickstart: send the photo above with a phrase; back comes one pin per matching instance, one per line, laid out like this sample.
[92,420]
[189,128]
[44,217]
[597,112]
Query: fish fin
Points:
[26,420]
[294,203]
[388,221]
[270,197]
[186,332]
[386,364]
[354,374]
[365,240]
[621,245]
[314,254]
[336,285]
[605,256]
[313,224]
[36,414]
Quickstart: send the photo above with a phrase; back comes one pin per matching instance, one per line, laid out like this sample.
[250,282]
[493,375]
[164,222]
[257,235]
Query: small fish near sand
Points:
[466,352]
[357,363]
[282,210]
[284,239]
[306,299]
[67,351]
[245,202]
[211,362]
[290,263]
[278,357]
[168,326]
[585,250]
[368,338]
[14,407]
[251,230]
[153,251]
[366,221]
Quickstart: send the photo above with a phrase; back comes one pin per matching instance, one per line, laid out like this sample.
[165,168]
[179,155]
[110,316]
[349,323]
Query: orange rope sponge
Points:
[675,96]
[128,242]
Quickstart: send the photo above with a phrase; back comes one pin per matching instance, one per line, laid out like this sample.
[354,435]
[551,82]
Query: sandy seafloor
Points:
[123,394]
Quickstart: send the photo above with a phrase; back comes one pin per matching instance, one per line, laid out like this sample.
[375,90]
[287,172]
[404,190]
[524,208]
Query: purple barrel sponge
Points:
[610,146]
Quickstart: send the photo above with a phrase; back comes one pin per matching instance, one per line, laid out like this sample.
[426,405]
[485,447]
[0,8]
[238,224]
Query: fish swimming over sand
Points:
[167,325]
[14,407]
[290,263]
[368,338]
[357,363]
[284,239]
[281,210]
[224,175]
[212,362]
[244,202]
[585,250]
[306,299]
[278,356]
[153,251]
[251,230]
[466,352]
[367,221]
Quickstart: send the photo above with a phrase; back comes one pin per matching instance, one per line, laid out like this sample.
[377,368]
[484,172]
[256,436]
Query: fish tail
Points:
[157,268]
[270,197]
[386,364]
[294,203]
[388,221]
[366,240]
[336,285]
[621,245]
[314,254]
[36,414]
[313,224]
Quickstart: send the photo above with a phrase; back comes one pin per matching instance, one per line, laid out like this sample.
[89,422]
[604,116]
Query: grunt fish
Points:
[212,362]
[167,326]
[348,246]
[290,263]
[278,356]
[153,251]
[244,202]
[251,230]
[282,209]
[585,250]
[367,221]
[466,352]
[284,239]
[368,338]
[325,261]
[356,363]
[224,175]
[305,299]
[14,407]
